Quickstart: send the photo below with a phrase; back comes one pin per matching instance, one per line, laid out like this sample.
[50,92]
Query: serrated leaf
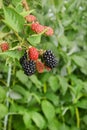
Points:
[1,3]
[25,13]
[3,110]
[2,94]
[53,82]
[48,110]
[13,54]
[14,95]
[38,119]
[27,119]
[85,119]
[34,39]
[63,83]
[53,98]
[36,81]
[2,35]
[82,104]
[13,19]
[54,125]
[23,78]
[14,107]
[80,61]
[21,93]
[16,2]
[63,127]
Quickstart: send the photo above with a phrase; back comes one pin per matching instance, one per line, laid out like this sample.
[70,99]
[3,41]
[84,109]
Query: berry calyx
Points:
[33,53]
[40,66]
[49,59]
[49,31]
[4,46]
[30,18]
[47,68]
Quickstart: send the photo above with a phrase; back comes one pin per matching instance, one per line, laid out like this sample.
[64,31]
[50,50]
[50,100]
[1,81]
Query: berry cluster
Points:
[31,62]
[35,59]
[37,27]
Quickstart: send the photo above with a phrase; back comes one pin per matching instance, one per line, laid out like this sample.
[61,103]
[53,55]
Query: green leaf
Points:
[34,39]
[1,3]
[14,20]
[2,35]
[53,97]
[3,110]
[16,2]
[82,104]
[63,40]
[85,119]
[18,109]
[21,90]
[54,125]
[53,82]
[48,110]
[23,78]
[38,119]
[63,127]
[2,94]
[63,83]
[84,69]
[14,95]
[74,128]
[36,81]
[13,54]
[27,119]
[80,61]
[25,13]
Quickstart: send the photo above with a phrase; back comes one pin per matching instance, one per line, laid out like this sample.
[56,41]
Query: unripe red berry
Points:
[33,53]
[36,27]
[49,31]
[4,46]
[39,66]
[30,18]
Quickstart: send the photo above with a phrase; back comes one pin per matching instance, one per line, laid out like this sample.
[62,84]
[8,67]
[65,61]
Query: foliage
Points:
[53,100]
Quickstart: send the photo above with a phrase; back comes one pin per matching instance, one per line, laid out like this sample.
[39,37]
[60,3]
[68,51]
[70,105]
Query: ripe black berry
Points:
[28,66]
[49,59]
[23,58]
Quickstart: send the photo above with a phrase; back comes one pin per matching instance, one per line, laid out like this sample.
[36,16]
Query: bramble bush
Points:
[43,65]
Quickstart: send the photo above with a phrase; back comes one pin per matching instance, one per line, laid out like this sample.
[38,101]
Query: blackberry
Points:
[28,66]
[23,58]
[49,59]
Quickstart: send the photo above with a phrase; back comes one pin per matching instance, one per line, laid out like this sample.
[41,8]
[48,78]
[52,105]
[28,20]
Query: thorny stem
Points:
[78,118]
[19,38]
[25,4]
[7,103]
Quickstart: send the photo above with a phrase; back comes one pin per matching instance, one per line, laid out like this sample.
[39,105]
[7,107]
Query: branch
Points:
[25,5]
[7,103]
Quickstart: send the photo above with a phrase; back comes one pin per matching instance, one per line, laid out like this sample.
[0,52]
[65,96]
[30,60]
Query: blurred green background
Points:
[55,100]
